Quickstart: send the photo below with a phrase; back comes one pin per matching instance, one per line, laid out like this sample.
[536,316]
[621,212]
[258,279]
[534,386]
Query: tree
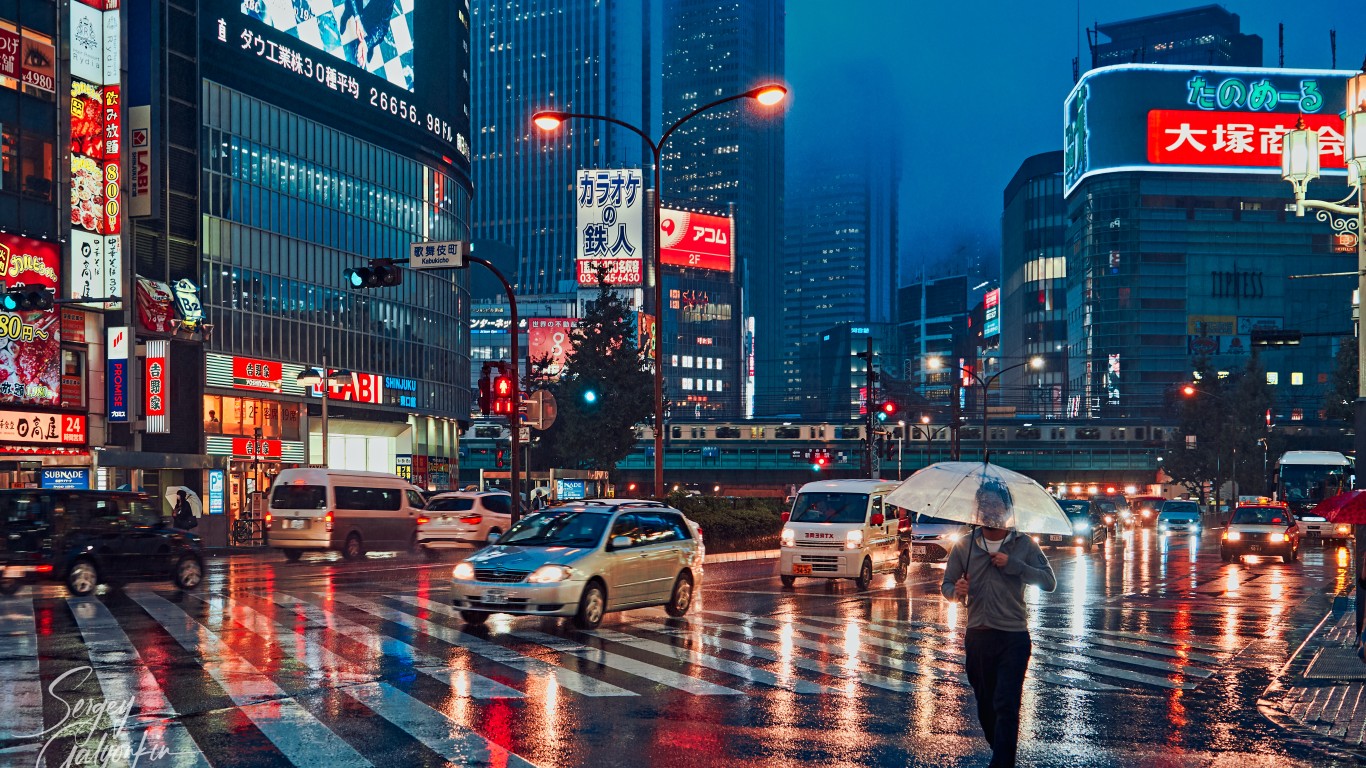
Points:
[1222,421]
[605,391]
[1342,394]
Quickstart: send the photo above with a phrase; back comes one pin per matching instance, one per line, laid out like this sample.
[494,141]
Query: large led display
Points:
[374,35]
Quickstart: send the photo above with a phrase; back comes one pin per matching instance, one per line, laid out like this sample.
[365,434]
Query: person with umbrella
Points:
[988,570]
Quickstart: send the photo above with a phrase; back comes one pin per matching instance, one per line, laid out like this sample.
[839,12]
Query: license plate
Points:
[495,596]
[801,570]
[1055,537]
[918,550]
[1255,548]
[296,523]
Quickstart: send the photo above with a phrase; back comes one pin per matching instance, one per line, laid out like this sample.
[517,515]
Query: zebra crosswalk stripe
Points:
[124,677]
[462,683]
[566,678]
[293,730]
[620,663]
[21,691]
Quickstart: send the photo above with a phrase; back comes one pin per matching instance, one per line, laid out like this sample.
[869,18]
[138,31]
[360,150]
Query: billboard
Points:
[547,338]
[991,306]
[30,341]
[386,70]
[610,231]
[696,240]
[1154,117]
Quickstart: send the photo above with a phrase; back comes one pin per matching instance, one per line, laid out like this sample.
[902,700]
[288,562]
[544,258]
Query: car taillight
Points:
[785,516]
[423,520]
[43,569]
[472,519]
[327,519]
[269,517]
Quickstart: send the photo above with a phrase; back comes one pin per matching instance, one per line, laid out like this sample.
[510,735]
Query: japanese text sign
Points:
[156,384]
[610,213]
[696,240]
[30,343]
[42,428]
[548,340]
[1188,137]
[256,375]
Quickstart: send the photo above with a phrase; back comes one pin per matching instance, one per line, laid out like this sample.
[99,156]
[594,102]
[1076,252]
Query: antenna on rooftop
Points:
[1281,45]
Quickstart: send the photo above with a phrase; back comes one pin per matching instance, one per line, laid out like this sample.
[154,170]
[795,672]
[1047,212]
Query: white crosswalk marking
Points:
[462,683]
[291,728]
[566,678]
[21,693]
[431,728]
[155,729]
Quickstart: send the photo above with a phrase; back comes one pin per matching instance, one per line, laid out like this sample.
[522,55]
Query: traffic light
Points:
[502,394]
[380,273]
[1275,338]
[886,411]
[486,386]
[820,461]
[23,298]
[498,456]
[590,396]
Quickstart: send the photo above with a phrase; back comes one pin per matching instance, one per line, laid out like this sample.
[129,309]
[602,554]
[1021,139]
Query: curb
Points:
[736,557]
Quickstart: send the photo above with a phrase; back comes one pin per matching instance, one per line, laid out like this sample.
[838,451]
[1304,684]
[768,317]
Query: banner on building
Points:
[697,240]
[30,341]
[610,235]
[548,341]
[116,373]
[47,429]
[156,385]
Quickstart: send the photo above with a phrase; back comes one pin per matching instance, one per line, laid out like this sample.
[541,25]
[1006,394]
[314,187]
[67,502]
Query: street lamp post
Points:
[328,378]
[1299,166]
[550,120]
[1035,363]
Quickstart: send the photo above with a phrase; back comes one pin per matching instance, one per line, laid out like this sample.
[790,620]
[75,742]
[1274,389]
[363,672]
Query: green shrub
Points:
[733,524]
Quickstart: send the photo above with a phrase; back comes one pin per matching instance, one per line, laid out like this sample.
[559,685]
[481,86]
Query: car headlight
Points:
[1109,518]
[853,539]
[954,537]
[1233,536]
[1277,538]
[549,574]
[789,537]
[1343,529]
[463,572]
[1081,527]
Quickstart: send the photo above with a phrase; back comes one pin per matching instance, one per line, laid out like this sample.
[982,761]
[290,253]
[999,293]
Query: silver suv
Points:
[583,560]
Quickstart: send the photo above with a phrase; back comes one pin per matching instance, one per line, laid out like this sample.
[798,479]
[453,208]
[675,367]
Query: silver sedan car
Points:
[583,560]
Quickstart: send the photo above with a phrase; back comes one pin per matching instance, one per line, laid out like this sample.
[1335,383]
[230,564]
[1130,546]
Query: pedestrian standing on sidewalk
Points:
[989,569]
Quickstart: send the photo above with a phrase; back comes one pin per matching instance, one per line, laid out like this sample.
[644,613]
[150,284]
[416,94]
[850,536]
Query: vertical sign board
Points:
[548,341]
[991,305]
[116,373]
[156,400]
[96,144]
[610,231]
[217,480]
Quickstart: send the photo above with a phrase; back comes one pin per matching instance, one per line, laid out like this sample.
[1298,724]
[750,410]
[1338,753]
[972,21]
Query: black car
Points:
[88,538]
[1088,525]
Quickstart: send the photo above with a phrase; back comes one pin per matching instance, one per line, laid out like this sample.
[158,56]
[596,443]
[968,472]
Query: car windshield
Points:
[558,528]
[1148,504]
[450,505]
[830,508]
[298,497]
[930,520]
[1260,516]
[1075,507]
[1179,509]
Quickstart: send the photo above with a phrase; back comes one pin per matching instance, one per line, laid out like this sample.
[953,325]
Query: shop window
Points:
[213,415]
[1273,377]
[36,163]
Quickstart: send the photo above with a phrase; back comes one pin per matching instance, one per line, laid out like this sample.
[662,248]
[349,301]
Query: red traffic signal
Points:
[498,457]
[502,395]
[889,408]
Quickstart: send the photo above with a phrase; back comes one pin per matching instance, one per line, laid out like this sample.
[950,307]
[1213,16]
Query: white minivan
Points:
[842,529]
[353,512]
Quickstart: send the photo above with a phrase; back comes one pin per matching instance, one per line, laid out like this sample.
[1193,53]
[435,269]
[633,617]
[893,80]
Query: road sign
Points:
[540,410]
[444,255]
[524,434]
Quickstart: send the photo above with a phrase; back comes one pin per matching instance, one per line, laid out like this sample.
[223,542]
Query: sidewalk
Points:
[1321,693]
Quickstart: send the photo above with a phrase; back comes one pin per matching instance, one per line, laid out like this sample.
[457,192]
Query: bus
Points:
[1305,478]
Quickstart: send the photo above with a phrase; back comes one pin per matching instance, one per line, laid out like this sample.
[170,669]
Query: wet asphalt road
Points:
[1148,654]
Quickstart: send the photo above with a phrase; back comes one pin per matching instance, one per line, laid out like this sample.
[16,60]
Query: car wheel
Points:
[1293,556]
[82,579]
[9,586]
[432,555]
[353,549]
[865,575]
[293,555]
[474,617]
[681,599]
[412,543]
[592,606]
[903,569]
[788,580]
[189,572]
[1088,546]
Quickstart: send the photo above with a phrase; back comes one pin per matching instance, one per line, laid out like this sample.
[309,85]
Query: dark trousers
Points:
[996,664]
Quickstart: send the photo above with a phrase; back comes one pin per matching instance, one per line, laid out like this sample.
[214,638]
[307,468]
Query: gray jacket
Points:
[996,595]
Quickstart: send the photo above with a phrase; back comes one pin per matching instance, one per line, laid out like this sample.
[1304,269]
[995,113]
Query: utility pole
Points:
[869,404]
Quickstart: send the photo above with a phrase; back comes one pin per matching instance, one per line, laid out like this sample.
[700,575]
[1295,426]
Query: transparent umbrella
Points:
[196,506]
[977,493]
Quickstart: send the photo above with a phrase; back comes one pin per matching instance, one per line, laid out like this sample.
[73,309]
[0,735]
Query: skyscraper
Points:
[575,55]
[1204,36]
[840,251]
[733,154]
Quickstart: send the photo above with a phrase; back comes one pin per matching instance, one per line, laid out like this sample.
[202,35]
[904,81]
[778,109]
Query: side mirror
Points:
[878,519]
[621,542]
[494,537]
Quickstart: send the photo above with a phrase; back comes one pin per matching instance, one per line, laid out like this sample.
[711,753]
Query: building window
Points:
[1273,377]
[36,165]
[9,159]
[718,363]
[687,361]
[1296,379]
[687,384]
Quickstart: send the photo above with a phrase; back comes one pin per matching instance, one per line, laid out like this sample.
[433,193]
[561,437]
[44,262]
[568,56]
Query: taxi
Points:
[1262,528]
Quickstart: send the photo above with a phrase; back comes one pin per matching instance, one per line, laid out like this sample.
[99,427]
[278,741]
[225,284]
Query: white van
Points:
[320,509]
[841,529]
